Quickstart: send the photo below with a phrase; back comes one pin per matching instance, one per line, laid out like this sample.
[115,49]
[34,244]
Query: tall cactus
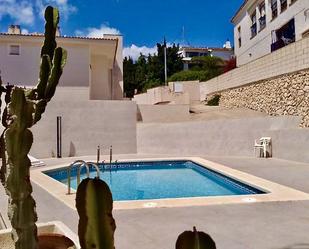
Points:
[94,204]
[24,110]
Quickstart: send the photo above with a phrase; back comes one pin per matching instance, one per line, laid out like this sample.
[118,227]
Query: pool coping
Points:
[274,191]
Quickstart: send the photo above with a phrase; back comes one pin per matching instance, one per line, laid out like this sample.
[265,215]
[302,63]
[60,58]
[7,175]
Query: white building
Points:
[263,26]
[225,53]
[94,66]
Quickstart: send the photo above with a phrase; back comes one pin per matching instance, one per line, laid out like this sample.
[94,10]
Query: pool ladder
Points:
[80,164]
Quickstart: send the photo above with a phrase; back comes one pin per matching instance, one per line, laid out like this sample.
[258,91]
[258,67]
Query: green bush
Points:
[214,100]
[190,75]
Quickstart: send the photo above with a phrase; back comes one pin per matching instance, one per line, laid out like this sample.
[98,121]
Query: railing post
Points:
[98,154]
[59,137]
[69,179]
[110,154]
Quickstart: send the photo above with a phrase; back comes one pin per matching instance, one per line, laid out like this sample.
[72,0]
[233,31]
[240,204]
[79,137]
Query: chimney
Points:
[14,29]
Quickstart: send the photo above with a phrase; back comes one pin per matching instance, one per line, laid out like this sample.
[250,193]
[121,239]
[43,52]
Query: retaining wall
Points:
[162,113]
[285,95]
[85,125]
[225,138]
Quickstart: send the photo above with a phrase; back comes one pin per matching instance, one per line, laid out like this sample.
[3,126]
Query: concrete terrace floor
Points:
[273,225]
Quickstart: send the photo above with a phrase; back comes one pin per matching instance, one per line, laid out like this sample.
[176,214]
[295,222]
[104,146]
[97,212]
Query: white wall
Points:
[189,95]
[76,71]
[83,55]
[100,78]
[225,138]
[162,94]
[192,88]
[23,69]
[117,68]
[85,125]
[163,113]
[260,45]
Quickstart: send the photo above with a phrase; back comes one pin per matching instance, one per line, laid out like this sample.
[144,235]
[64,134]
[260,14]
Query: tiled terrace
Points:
[272,225]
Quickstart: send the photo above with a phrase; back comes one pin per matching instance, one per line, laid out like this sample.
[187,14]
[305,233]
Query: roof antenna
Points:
[184,40]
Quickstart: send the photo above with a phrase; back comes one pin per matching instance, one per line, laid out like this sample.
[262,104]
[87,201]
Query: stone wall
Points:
[284,95]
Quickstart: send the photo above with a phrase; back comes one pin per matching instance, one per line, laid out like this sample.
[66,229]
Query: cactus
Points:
[94,204]
[96,225]
[25,108]
[5,119]
[195,240]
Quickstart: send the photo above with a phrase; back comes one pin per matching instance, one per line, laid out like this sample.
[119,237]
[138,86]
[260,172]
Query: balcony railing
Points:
[253,30]
[277,45]
[262,21]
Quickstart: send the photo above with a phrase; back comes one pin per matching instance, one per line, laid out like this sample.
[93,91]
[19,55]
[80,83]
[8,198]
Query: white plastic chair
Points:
[262,145]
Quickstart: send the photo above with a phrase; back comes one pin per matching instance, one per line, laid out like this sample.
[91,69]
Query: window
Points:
[283,36]
[284,5]
[262,19]
[274,8]
[14,50]
[254,25]
[239,36]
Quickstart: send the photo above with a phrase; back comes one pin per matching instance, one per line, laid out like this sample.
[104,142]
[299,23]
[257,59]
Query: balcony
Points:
[262,21]
[253,30]
[284,36]
[277,45]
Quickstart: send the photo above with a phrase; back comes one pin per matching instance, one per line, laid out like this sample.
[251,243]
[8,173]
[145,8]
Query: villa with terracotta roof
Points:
[94,65]
[264,26]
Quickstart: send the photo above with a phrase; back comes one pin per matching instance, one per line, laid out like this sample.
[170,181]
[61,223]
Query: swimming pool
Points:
[161,180]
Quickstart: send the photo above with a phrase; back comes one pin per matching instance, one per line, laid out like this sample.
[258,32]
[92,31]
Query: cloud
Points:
[20,12]
[98,32]
[25,31]
[65,8]
[134,51]
[25,12]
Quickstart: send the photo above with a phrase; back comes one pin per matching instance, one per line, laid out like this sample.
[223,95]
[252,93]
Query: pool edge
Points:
[275,192]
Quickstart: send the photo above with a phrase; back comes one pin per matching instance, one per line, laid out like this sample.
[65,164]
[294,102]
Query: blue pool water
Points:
[160,180]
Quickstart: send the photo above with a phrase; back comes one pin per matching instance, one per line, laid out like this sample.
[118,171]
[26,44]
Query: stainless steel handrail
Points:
[76,163]
[96,167]
[79,169]
[80,164]
[116,162]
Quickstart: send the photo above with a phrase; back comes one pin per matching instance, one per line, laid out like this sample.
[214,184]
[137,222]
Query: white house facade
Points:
[187,53]
[264,26]
[94,65]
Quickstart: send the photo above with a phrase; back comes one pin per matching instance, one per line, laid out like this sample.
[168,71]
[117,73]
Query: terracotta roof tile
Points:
[63,36]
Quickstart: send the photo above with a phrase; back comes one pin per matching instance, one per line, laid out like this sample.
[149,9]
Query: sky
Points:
[142,23]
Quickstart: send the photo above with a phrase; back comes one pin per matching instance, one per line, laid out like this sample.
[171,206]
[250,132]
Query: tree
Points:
[202,68]
[148,71]
[129,76]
